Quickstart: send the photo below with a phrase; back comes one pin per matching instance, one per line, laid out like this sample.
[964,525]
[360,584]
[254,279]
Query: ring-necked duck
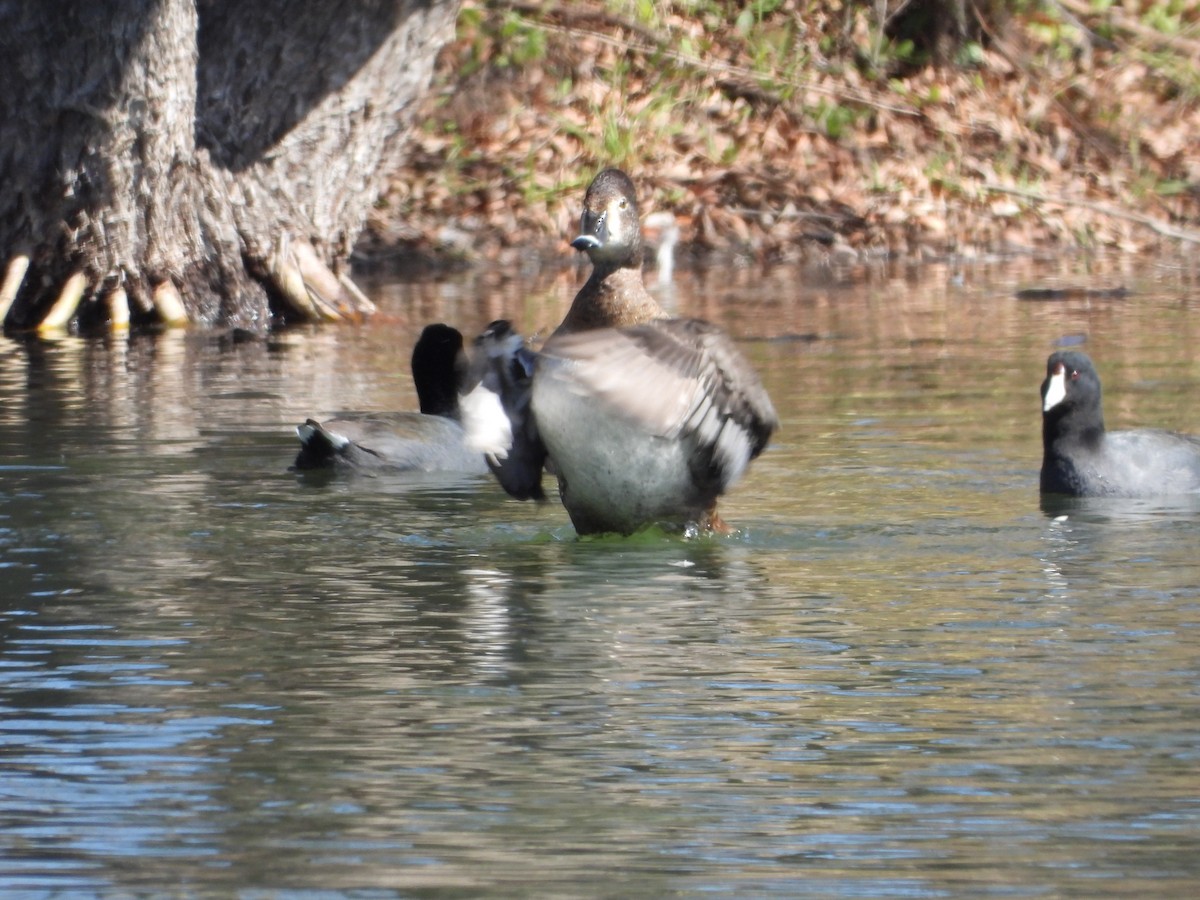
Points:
[643,419]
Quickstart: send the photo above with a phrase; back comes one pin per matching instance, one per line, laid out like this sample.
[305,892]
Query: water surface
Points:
[902,677]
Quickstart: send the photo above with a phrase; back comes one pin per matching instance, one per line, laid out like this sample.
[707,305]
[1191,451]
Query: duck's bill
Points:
[586,242]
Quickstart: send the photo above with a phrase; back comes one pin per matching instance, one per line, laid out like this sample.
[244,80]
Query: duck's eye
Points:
[622,203]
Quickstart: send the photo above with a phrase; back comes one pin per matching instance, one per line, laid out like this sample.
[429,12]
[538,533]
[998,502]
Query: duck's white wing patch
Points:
[495,411]
[495,404]
[487,426]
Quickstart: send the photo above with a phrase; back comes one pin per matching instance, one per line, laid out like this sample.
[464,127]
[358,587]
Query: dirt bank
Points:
[806,132]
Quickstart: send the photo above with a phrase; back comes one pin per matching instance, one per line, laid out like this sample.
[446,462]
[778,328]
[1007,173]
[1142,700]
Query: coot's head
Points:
[1071,388]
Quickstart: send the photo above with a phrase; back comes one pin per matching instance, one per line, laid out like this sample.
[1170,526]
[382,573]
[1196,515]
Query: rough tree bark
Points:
[212,160]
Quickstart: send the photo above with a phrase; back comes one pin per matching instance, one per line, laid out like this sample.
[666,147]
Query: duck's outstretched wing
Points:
[496,414]
[678,379]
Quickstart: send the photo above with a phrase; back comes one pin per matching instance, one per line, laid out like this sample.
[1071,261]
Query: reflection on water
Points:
[903,677]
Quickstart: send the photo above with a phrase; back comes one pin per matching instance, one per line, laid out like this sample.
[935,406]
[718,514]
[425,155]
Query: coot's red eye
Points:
[1074,374]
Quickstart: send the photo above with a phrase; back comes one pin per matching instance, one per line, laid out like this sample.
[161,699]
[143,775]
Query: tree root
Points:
[364,306]
[285,277]
[73,297]
[117,302]
[14,275]
[63,309]
[169,305]
[310,288]
[294,272]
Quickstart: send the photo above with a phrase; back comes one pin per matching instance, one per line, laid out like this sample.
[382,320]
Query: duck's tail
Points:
[321,448]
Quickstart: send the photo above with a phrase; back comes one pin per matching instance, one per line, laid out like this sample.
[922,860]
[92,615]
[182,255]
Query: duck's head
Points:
[609,231]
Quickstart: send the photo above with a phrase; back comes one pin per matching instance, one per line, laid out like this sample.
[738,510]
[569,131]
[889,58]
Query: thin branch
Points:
[1156,225]
[571,15]
[1132,26]
[654,45]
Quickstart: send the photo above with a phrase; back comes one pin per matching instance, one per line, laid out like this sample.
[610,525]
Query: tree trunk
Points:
[212,160]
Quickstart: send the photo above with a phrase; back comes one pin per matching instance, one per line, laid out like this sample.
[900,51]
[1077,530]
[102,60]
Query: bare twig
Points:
[652,45]
[1156,225]
[570,16]
[1132,26]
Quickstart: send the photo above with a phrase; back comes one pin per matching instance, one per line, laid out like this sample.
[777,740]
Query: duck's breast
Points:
[614,473]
